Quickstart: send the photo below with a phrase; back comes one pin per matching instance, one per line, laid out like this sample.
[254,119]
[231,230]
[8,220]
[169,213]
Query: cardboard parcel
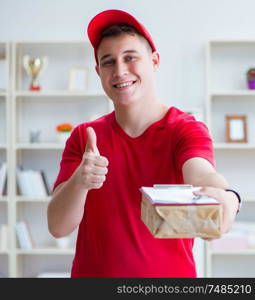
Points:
[173,211]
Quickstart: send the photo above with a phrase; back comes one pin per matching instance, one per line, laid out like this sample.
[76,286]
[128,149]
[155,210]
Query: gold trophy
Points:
[33,67]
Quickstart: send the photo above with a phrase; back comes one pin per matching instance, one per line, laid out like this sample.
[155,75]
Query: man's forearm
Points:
[216,180]
[212,179]
[66,208]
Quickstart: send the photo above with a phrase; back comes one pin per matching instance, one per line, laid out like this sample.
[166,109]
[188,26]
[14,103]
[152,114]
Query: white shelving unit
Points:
[21,111]
[5,255]
[227,94]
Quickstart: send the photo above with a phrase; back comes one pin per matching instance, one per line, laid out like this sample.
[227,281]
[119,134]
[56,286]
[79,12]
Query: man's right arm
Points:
[66,208]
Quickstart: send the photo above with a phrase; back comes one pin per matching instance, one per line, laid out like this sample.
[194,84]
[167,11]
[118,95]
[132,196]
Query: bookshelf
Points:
[5,256]
[227,93]
[23,111]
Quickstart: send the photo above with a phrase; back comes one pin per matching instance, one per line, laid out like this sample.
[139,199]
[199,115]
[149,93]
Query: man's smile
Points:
[124,84]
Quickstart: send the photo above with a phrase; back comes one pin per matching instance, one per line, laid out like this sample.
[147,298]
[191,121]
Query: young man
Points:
[141,143]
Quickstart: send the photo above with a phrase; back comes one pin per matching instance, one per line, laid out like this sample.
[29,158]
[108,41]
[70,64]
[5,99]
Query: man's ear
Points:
[155,60]
[97,70]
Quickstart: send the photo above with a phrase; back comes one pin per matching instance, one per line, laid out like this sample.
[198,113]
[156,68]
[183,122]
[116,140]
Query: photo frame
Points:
[78,79]
[236,128]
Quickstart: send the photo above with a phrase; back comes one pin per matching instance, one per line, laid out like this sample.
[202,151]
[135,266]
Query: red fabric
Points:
[112,239]
[112,17]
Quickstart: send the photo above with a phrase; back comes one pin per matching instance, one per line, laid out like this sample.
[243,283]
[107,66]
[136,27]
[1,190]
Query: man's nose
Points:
[120,69]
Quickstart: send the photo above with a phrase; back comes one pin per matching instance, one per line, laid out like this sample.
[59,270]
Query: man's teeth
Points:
[124,84]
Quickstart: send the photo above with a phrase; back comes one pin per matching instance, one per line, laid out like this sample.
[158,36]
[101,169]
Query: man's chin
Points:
[123,103]
[123,100]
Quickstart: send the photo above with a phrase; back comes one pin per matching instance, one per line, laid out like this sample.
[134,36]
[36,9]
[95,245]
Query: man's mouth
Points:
[124,84]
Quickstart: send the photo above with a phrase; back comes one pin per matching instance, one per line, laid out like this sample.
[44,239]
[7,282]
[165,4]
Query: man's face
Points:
[126,68]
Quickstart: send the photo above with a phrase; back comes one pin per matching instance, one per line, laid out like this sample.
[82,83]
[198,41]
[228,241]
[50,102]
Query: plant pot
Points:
[63,136]
[251,84]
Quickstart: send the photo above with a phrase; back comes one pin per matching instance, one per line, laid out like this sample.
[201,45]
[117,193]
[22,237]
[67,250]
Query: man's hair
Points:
[121,29]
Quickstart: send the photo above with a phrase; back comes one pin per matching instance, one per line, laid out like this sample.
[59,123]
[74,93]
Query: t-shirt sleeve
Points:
[71,157]
[192,140]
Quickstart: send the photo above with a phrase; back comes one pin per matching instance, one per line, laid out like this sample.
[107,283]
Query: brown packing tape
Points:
[182,221]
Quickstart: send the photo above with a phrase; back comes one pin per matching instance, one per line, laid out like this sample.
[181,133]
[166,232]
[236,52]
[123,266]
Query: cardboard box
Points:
[181,219]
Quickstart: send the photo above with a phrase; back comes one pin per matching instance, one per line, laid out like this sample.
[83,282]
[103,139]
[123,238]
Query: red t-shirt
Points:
[112,239]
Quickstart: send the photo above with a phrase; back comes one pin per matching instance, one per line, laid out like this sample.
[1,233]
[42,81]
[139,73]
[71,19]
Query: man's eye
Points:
[107,63]
[129,58]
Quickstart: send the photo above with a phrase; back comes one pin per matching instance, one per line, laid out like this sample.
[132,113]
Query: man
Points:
[141,143]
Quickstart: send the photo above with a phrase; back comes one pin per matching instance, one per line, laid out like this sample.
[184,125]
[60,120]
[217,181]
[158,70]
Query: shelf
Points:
[3,198]
[3,93]
[40,146]
[231,42]
[52,42]
[3,147]
[34,199]
[233,146]
[42,251]
[57,94]
[249,199]
[233,93]
[231,252]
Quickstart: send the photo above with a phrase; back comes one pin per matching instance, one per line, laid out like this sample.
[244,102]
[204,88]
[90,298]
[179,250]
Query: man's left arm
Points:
[199,172]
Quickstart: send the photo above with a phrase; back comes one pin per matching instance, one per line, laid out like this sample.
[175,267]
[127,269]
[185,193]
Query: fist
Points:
[92,171]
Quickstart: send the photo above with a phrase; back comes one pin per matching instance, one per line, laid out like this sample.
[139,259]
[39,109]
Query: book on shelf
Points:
[3,237]
[3,178]
[3,74]
[23,235]
[32,183]
[46,183]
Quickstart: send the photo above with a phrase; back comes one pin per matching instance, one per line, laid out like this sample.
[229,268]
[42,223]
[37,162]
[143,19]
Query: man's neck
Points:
[135,119]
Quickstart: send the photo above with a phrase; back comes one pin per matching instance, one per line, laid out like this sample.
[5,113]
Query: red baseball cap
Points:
[112,17]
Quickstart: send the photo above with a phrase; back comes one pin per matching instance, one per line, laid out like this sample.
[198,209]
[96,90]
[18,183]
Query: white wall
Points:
[180,29]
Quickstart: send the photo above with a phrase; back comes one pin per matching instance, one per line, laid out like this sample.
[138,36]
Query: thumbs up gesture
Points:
[93,168]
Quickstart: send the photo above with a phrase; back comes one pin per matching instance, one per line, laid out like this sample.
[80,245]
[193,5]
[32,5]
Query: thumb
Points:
[91,145]
[198,191]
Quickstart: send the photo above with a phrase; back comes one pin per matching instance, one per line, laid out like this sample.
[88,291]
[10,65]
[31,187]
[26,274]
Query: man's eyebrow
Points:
[126,51]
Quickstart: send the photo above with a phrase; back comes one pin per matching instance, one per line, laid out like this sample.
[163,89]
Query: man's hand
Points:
[229,204]
[91,172]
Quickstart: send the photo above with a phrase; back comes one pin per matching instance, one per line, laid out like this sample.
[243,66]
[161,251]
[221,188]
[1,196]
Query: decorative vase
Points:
[63,136]
[251,78]
[251,84]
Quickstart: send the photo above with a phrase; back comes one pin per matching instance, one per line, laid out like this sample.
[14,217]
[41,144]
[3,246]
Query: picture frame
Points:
[236,128]
[78,79]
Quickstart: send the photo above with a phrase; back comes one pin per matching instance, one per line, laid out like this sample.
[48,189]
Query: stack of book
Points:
[3,237]
[32,183]
[3,179]
[23,235]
